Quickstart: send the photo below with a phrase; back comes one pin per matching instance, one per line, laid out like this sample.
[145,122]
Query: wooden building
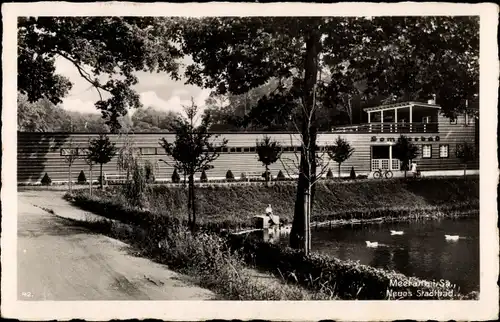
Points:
[436,136]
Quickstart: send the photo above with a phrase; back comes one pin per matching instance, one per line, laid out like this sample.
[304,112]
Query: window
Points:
[443,150]
[426,119]
[246,150]
[238,150]
[426,151]
[224,150]
[66,151]
[252,149]
[148,151]
[160,151]
[232,150]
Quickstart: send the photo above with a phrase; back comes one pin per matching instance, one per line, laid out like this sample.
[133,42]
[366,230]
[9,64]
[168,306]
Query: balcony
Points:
[389,128]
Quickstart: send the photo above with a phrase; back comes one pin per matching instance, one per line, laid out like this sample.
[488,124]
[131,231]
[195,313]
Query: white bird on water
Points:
[451,237]
[371,244]
[397,232]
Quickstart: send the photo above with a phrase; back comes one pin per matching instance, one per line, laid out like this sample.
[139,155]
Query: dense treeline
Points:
[44,116]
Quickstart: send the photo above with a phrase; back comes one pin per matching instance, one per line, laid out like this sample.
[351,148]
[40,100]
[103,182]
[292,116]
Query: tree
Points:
[128,155]
[106,51]
[465,152]
[405,151]
[193,151]
[101,151]
[414,56]
[269,151]
[70,156]
[340,152]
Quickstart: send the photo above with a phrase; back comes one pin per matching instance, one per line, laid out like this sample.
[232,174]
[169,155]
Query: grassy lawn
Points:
[234,206]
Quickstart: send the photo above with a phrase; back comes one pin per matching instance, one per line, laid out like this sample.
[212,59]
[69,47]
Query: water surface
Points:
[422,250]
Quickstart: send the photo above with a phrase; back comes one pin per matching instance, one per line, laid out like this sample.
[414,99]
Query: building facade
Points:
[437,138]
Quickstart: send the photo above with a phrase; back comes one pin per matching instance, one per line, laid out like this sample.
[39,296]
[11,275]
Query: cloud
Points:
[176,102]
[77,105]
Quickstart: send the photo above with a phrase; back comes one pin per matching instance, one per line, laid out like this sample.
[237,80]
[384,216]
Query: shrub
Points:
[229,176]
[46,181]
[175,177]
[149,172]
[203,177]
[280,176]
[81,177]
[135,188]
[353,173]
[243,177]
[266,175]
[329,174]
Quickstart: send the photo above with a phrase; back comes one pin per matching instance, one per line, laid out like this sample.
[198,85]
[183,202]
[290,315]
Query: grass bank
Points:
[234,206]
[219,261]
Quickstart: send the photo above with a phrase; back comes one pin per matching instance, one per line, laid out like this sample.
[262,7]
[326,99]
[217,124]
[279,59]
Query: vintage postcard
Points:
[249,161]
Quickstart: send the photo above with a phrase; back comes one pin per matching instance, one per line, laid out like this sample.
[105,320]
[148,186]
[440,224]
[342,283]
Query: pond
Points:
[422,250]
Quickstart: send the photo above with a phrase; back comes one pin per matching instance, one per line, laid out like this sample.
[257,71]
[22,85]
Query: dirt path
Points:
[60,261]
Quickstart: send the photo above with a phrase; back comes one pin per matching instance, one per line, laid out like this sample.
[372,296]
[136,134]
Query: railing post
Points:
[425,128]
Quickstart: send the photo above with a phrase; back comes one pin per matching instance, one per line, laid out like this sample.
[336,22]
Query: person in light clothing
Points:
[269,213]
[414,169]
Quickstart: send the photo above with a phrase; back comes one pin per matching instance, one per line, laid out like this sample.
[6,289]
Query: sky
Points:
[155,89]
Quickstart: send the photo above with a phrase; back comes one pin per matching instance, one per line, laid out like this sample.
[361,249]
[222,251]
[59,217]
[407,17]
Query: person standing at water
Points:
[269,213]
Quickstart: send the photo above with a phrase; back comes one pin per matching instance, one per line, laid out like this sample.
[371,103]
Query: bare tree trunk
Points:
[69,181]
[102,179]
[193,207]
[267,176]
[339,170]
[465,170]
[90,184]
[190,198]
[307,232]
[299,235]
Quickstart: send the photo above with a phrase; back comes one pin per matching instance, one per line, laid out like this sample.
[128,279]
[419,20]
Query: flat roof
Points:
[400,105]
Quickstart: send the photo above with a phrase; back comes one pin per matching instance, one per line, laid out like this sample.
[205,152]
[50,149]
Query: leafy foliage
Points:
[340,151]
[465,152]
[149,171]
[203,177]
[46,181]
[269,152]
[135,189]
[175,177]
[193,150]
[329,174]
[352,175]
[229,176]
[82,178]
[127,156]
[280,176]
[405,151]
[111,47]
[319,60]
[101,151]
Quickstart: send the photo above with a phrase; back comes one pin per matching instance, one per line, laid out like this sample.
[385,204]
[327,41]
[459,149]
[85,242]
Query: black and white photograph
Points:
[272,161]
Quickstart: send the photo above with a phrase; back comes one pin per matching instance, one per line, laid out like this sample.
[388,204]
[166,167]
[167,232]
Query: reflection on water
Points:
[422,250]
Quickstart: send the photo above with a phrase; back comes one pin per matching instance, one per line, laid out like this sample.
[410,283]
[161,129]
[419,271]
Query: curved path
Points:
[58,260]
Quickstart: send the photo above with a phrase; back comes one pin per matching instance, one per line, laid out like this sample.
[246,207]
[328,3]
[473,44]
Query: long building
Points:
[436,136]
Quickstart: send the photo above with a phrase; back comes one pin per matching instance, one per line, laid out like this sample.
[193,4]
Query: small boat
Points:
[397,232]
[371,244]
[451,237]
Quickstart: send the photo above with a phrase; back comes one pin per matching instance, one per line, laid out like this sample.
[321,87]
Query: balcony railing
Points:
[390,128]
